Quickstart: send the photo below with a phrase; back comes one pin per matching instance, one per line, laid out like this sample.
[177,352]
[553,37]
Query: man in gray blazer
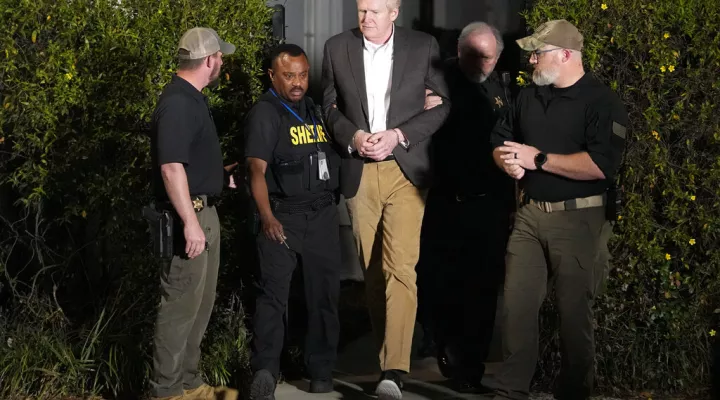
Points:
[374,82]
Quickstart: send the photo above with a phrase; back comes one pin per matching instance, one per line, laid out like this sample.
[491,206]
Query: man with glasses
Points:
[564,142]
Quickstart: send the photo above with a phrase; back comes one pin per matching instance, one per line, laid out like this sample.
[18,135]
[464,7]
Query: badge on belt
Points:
[198,204]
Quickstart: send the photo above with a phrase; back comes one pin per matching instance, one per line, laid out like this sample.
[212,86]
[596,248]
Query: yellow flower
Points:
[668,256]
[692,242]
[520,80]
[48,18]
[676,117]
[692,198]
[604,6]
[676,54]
[712,332]
[662,68]
[666,35]
[671,68]
[656,135]
[84,214]
[68,76]
[619,217]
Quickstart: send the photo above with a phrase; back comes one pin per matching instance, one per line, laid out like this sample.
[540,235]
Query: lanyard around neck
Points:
[314,132]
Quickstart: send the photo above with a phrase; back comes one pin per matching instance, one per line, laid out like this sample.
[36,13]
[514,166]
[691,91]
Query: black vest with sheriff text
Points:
[294,174]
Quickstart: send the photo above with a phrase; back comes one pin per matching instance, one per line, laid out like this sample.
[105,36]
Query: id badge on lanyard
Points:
[323,170]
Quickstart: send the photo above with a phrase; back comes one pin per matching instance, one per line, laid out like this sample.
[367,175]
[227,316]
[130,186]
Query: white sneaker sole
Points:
[388,390]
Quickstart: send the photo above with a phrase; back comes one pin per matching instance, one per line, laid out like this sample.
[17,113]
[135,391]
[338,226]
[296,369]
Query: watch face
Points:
[540,159]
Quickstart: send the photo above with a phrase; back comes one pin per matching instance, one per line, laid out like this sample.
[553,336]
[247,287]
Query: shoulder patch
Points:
[619,130]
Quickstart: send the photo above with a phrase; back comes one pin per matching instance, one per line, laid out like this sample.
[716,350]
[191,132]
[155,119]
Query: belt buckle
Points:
[198,204]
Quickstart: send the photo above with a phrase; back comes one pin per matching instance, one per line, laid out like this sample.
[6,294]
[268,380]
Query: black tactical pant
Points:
[567,249]
[459,275]
[188,296]
[314,238]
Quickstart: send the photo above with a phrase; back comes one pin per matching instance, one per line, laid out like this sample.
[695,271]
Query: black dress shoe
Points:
[447,369]
[472,386]
[263,386]
[390,386]
[324,385]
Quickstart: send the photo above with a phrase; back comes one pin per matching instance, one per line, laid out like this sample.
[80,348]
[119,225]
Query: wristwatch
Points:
[540,160]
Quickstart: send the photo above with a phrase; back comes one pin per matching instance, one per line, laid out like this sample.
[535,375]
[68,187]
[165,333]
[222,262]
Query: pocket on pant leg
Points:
[175,278]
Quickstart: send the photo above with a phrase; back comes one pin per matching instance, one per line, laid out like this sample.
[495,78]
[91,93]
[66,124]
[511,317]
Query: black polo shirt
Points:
[184,132]
[585,117]
[462,151]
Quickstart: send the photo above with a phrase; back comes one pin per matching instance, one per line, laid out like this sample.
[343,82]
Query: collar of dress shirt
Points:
[375,47]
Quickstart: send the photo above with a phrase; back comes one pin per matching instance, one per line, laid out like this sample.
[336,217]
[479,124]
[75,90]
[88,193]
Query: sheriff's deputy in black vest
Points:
[293,173]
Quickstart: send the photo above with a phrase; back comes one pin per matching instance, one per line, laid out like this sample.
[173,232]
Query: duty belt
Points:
[199,203]
[278,205]
[567,205]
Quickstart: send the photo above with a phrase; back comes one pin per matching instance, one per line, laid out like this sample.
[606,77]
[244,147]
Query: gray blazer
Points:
[416,66]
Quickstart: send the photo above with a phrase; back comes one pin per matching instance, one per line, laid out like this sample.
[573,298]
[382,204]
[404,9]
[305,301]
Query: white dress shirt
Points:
[378,60]
[378,64]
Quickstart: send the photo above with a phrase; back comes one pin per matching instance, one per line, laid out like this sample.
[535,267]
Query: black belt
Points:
[280,206]
[391,157]
[199,202]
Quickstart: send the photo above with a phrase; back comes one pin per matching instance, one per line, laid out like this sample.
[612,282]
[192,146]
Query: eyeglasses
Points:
[537,53]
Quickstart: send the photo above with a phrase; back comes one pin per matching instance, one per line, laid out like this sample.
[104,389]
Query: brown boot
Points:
[202,392]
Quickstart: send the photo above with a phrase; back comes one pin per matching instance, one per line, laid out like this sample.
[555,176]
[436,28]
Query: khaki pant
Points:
[567,249]
[386,215]
[187,299]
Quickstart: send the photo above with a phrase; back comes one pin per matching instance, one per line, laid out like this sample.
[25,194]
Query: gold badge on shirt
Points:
[498,101]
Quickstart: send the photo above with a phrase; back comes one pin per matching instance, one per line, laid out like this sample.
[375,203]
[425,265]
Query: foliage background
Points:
[656,323]
[78,287]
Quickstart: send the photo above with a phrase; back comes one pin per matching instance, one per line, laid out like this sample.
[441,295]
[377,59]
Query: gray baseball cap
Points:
[558,33]
[202,42]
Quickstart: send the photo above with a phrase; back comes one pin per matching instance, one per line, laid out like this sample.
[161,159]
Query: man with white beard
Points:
[563,141]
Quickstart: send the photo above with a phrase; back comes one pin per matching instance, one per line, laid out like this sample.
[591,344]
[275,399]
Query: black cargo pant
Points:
[567,249]
[314,237]
[188,296]
[459,275]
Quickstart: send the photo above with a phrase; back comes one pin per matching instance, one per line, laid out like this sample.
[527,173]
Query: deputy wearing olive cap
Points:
[563,142]
[188,174]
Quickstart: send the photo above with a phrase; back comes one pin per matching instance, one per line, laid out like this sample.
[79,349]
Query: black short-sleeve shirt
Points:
[585,117]
[184,132]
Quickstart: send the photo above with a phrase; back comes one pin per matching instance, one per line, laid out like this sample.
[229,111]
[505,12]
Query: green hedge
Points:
[78,291]
[655,324]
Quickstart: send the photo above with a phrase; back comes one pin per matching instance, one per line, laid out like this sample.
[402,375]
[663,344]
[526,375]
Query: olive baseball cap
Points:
[202,42]
[557,32]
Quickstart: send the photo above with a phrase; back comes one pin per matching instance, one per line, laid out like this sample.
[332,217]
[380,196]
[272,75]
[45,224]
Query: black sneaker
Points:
[390,386]
[324,385]
[263,386]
